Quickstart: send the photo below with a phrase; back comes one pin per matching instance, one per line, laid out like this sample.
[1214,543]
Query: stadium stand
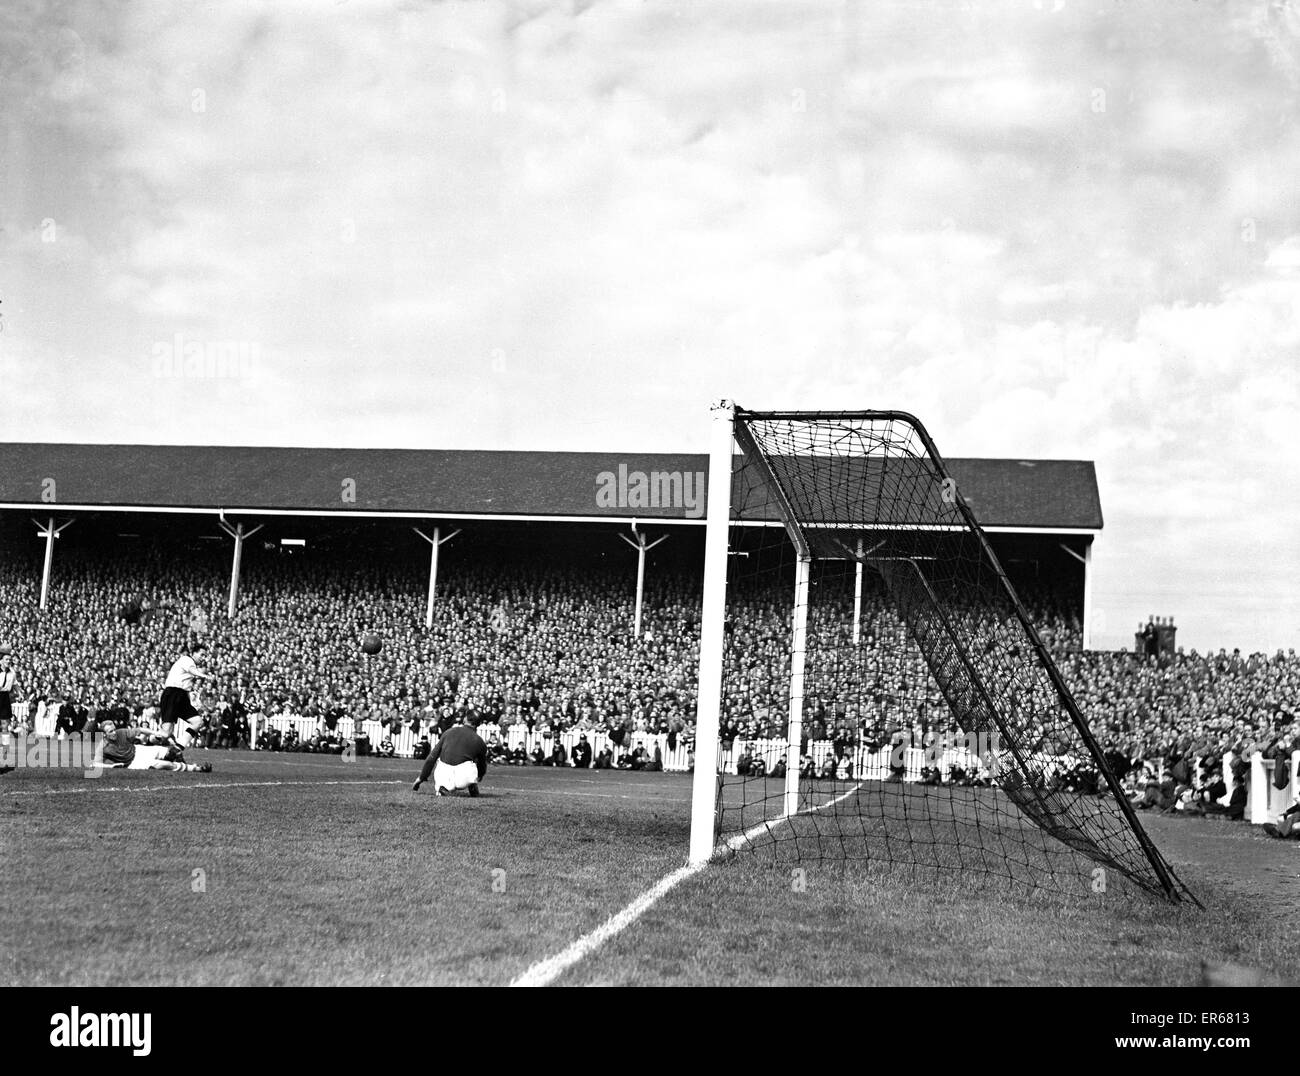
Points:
[539,651]
[531,629]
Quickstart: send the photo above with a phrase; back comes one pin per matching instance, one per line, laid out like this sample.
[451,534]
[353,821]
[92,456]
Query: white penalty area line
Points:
[523,790]
[187,787]
[544,972]
[671,801]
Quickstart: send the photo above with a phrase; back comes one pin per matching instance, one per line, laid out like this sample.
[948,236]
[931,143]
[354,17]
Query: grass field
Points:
[311,870]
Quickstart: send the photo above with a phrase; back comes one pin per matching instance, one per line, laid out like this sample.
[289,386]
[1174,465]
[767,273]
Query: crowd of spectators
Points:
[550,646]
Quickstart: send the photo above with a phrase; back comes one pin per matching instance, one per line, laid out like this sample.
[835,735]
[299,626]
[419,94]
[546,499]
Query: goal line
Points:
[545,972]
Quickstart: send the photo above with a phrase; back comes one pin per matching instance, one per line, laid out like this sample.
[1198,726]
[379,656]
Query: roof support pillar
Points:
[436,541]
[238,533]
[1086,560]
[641,547]
[49,532]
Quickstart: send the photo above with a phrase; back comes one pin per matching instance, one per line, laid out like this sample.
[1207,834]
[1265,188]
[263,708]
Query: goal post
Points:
[708,703]
[888,692]
[798,668]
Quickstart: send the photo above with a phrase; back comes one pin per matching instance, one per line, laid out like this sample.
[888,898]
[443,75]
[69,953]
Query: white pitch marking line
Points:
[766,827]
[544,972]
[273,784]
[673,801]
[181,787]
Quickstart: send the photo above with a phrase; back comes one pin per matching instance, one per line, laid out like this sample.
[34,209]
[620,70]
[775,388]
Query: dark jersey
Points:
[461,744]
[119,748]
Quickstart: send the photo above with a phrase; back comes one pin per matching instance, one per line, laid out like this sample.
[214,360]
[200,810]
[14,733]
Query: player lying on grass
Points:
[1287,826]
[121,750]
[458,760]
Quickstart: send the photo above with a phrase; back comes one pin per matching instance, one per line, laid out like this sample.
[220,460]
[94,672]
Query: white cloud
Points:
[1285,257]
[481,225]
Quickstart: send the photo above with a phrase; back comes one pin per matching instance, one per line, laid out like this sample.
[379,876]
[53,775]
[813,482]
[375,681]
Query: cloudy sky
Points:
[1050,228]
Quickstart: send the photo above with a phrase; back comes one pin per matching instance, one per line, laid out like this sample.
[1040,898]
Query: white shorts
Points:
[462,775]
[147,757]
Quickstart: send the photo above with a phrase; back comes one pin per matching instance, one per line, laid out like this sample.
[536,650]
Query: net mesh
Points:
[929,728]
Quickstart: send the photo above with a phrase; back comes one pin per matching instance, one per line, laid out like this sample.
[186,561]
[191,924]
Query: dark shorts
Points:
[175,706]
[6,707]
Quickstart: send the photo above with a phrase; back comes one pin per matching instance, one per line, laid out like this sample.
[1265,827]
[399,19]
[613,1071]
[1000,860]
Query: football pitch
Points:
[300,869]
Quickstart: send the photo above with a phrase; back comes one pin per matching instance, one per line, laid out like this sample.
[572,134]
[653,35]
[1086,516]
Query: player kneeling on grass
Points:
[458,760]
[122,750]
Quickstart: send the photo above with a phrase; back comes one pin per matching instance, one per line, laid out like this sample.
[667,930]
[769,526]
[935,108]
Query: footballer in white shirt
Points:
[180,690]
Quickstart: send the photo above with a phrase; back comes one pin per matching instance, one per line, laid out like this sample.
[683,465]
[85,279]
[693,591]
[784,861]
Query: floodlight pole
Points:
[641,548]
[49,532]
[238,533]
[708,699]
[435,542]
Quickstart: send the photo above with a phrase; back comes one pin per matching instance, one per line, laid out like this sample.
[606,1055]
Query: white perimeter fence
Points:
[1265,802]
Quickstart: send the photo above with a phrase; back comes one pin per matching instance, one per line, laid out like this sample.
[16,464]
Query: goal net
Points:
[871,686]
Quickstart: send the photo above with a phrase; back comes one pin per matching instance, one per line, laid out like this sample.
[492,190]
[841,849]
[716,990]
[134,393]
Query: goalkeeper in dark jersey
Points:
[458,760]
[121,748]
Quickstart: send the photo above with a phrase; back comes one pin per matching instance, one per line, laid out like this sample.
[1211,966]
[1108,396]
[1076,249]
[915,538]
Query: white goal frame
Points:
[708,719]
[1122,842]
[708,695]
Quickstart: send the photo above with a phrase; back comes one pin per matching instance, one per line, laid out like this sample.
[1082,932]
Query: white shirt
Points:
[6,679]
[184,674]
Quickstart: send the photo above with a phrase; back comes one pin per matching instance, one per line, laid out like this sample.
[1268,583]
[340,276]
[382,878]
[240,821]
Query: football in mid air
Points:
[372,644]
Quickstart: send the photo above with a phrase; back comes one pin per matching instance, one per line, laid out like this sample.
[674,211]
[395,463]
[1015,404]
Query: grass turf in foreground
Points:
[318,872]
[748,922]
[313,883]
